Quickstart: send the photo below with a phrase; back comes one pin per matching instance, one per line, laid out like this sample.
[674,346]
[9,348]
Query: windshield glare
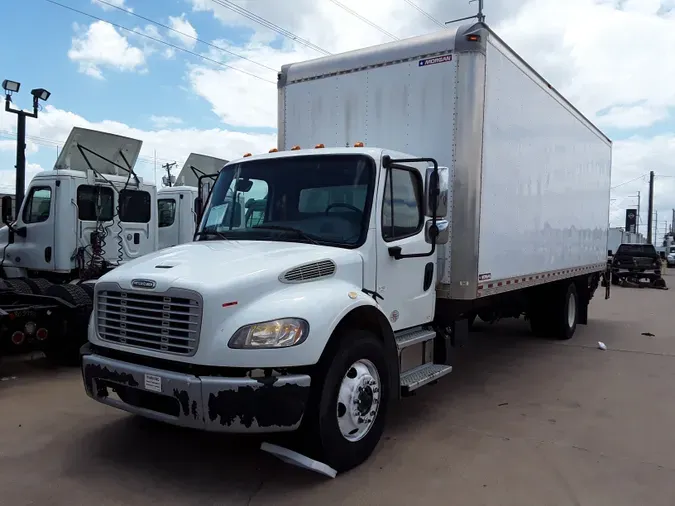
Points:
[325,198]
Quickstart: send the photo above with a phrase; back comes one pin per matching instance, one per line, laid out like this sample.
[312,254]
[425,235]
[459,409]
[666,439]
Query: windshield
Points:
[643,250]
[322,199]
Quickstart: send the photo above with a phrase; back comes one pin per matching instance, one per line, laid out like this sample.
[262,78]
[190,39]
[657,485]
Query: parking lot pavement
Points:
[521,421]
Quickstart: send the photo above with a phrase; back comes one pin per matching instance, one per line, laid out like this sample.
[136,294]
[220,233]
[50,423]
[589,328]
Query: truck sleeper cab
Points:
[306,298]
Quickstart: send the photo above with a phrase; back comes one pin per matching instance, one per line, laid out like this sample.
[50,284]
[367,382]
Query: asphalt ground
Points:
[520,421]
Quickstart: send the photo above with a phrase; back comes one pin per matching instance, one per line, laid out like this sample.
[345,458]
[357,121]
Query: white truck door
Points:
[139,223]
[38,218]
[406,285]
[168,222]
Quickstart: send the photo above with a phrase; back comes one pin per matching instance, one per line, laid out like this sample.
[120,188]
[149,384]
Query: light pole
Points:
[38,94]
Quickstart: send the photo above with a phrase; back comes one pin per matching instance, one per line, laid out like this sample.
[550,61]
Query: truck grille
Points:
[160,322]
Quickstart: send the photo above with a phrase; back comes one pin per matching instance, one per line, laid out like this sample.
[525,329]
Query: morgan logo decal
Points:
[435,60]
[143,283]
[394,315]
[485,277]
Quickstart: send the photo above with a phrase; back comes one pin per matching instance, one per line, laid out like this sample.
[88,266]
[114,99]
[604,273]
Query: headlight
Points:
[280,333]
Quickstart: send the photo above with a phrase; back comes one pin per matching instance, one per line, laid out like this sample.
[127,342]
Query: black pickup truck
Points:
[634,262]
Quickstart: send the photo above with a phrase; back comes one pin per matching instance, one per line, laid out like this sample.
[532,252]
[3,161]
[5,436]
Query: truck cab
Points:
[179,206]
[89,213]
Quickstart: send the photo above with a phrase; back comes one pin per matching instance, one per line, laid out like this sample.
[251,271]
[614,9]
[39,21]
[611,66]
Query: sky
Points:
[199,75]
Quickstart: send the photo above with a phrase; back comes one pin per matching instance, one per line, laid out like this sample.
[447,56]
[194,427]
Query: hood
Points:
[211,265]
[103,143]
[206,164]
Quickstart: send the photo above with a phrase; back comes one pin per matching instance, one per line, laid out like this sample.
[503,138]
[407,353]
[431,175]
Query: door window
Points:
[167,212]
[37,206]
[402,214]
[134,206]
[95,203]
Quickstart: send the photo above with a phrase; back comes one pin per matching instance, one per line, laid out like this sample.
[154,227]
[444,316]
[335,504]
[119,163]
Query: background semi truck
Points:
[88,215]
[417,185]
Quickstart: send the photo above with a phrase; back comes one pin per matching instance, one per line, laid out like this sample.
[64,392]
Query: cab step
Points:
[422,375]
[413,336]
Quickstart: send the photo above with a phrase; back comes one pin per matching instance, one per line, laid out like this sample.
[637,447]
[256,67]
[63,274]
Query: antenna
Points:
[168,180]
[479,15]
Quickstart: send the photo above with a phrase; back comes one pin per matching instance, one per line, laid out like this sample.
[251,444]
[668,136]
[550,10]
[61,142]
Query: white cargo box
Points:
[532,174]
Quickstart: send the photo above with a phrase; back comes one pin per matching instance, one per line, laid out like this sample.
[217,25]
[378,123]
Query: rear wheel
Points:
[71,334]
[348,405]
[556,312]
[18,286]
[38,286]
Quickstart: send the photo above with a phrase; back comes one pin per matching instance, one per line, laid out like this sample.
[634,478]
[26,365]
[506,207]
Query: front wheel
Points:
[348,406]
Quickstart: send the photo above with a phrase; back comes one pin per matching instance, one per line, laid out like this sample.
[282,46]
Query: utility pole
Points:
[651,207]
[167,179]
[38,94]
[637,221]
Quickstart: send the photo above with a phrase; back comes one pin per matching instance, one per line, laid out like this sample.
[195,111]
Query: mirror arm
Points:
[395,251]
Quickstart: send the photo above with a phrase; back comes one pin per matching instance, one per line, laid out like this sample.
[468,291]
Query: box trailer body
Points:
[480,192]
[530,200]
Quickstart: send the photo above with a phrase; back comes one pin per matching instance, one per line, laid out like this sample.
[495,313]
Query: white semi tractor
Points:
[416,185]
[88,215]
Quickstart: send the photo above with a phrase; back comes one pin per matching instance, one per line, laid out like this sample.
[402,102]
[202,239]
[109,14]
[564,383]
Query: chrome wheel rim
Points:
[358,400]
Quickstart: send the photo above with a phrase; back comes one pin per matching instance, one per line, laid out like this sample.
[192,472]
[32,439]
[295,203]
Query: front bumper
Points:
[210,403]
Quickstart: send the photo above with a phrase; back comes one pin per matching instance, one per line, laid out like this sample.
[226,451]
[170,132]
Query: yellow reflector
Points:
[295,148]
[247,154]
[319,146]
[358,144]
[273,150]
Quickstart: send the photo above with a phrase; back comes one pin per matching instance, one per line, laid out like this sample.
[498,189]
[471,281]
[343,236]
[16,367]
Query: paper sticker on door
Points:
[153,383]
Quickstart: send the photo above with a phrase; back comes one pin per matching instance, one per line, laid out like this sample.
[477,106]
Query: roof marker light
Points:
[295,148]
[358,144]
[246,155]
[273,150]
[319,146]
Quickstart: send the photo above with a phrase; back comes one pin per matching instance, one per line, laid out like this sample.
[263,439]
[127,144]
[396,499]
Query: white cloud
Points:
[7,179]
[101,45]
[165,121]
[187,34]
[113,4]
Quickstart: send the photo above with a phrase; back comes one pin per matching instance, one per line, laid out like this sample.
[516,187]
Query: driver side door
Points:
[38,217]
[407,285]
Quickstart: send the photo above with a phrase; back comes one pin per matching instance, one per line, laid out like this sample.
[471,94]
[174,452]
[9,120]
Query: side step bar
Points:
[423,374]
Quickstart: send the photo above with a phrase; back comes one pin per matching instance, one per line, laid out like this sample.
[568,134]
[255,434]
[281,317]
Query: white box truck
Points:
[444,179]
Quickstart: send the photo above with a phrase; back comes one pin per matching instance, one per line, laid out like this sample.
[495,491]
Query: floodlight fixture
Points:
[10,86]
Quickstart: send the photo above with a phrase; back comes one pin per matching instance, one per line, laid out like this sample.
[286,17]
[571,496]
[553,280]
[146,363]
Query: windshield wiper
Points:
[297,231]
[220,235]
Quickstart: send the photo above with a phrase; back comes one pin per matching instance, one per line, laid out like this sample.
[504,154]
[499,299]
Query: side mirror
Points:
[609,253]
[442,234]
[443,187]
[199,203]
[6,209]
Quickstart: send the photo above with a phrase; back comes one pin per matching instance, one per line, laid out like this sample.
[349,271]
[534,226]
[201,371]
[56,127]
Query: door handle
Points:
[137,238]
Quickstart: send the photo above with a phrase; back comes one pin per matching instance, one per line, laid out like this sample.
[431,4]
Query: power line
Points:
[365,20]
[425,13]
[160,41]
[629,181]
[183,34]
[268,24]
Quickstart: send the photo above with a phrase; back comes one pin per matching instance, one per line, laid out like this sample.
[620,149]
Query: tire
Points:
[73,294]
[322,434]
[19,286]
[557,314]
[64,348]
[89,288]
[38,286]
